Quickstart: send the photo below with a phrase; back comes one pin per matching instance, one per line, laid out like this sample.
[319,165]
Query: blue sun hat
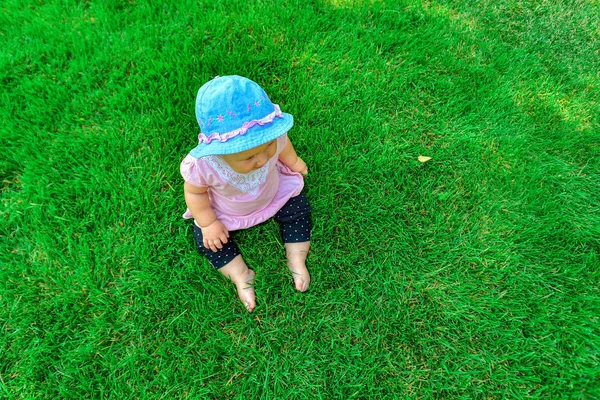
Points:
[235,115]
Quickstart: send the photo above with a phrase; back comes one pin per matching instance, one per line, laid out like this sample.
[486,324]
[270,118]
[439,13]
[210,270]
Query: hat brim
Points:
[254,137]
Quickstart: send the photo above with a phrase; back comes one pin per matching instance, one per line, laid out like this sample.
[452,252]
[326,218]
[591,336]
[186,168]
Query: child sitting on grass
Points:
[243,172]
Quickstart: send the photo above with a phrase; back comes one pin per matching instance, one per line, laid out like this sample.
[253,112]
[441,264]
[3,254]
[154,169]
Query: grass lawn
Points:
[473,275]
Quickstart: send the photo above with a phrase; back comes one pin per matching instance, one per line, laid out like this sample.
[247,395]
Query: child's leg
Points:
[229,262]
[294,219]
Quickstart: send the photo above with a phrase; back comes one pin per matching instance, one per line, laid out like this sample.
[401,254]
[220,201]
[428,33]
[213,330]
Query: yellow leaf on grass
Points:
[424,159]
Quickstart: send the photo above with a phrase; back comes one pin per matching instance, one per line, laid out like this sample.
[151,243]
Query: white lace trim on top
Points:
[247,183]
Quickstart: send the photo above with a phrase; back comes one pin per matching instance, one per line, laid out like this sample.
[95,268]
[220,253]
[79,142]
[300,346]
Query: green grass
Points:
[474,275]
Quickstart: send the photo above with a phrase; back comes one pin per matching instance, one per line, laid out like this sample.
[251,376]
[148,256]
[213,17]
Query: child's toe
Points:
[301,284]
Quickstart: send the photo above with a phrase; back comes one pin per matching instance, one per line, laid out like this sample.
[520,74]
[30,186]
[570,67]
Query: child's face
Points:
[252,159]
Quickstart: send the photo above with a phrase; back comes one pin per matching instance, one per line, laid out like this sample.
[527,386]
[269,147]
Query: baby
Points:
[243,172]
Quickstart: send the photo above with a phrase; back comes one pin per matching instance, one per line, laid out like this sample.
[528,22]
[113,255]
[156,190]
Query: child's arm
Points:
[213,230]
[289,157]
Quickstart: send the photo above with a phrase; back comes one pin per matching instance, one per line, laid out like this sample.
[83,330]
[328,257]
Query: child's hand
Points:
[300,166]
[214,235]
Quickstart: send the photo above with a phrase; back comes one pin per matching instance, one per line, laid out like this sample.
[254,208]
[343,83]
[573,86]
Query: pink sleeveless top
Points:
[243,200]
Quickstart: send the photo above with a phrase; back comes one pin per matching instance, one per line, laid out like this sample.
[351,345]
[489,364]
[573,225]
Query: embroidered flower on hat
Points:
[241,131]
[221,117]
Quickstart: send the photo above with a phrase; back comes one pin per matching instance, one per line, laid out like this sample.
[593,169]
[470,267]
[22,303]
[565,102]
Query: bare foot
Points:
[243,278]
[296,255]
[245,289]
[300,275]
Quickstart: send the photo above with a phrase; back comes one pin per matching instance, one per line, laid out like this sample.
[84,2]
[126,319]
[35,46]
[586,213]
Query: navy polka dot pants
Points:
[293,218]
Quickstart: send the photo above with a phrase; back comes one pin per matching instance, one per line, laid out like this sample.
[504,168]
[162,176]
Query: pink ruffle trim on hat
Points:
[223,137]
